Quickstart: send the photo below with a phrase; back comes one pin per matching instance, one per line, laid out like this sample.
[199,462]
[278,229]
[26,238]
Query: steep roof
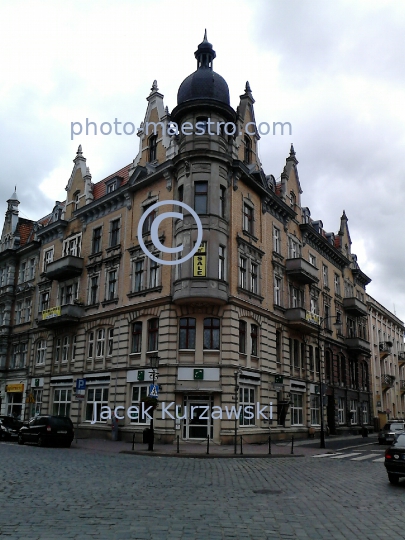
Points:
[99,189]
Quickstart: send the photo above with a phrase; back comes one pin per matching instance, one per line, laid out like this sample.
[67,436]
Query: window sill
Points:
[250,235]
[251,294]
[280,308]
[108,302]
[92,306]
[94,255]
[186,350]
[144,292]
[135,353]
[211,351]
[113,248]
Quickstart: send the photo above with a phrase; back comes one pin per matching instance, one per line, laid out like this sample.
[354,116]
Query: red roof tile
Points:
[99,189]
[24,229]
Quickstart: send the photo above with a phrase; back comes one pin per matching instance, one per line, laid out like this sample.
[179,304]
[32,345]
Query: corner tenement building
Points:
[249,319]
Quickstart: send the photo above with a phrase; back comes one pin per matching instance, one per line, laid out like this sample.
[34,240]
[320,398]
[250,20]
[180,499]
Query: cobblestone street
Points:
[56,493]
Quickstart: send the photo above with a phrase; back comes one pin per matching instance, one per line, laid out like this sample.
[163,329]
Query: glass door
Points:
[197,423]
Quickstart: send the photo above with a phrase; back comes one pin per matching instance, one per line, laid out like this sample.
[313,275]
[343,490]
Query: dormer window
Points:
[152,148]
[112,186]
[248,149]
[293,199]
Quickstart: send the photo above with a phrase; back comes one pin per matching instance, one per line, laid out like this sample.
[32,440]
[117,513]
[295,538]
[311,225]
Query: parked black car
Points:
[47,429]
[9,427]
[395,460]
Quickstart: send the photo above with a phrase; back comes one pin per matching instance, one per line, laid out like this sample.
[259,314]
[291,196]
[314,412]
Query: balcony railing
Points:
[301,270]
[387,381]
[357,344]
[65,268]
[385,349]
[61,315]
[401,358]
[355,307]
[302,320]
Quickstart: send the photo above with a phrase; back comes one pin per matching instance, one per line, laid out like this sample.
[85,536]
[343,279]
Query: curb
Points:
[210,456]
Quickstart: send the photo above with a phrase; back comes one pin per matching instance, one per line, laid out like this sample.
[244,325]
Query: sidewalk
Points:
[199,449]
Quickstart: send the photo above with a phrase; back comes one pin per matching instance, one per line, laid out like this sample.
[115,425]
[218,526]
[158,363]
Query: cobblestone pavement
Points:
[58,493]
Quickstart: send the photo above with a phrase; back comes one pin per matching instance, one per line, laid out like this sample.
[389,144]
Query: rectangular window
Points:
[222,201]
[221,263]
[187,333]
[341,410]
[23,268]
[114,232]
[254,339]
[100,342]
[153,334]
[32,269]
[276,240]
[211,333]
[153,274]
[296,352]
[23,354]
[315,413]
[253,278]
[139,392]
[242,337]
[96,242]
[293,249]
[41,351]
[242,272]
[74,348]
[72,246]
[96,398]
[65,349]
[112,285]
[337,284]
[353,411]
[14,358]
[296,297]
[248,218]
[247,403]
[296,410]
[90,350]
[44,301]
[136,337]
[138,271]
[278,346]
[18,312]
[93,290]
[48,258]
[277,291]
[325,276]
[62,398]
[58,346]
[110,341]
[201,197]
[311,358]
[312,259]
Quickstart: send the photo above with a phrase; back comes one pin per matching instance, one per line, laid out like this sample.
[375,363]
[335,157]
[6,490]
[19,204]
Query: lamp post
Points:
[337,323]
[236,373]
[154,364]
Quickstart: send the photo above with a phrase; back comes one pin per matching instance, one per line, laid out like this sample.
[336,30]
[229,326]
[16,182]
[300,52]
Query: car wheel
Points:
[67,445]
[20,439]
[41,441]
[393,478]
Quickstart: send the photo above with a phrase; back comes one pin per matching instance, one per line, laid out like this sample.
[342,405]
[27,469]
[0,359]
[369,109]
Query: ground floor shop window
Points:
[62,398]
[364,409]
[353,411]
[315,415]
[35,408]
[297,412]
[139,392]
[342,410]
[14,404]
[247,399]
[96,398]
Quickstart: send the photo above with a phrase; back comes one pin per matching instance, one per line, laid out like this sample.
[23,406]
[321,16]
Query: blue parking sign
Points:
[80,384]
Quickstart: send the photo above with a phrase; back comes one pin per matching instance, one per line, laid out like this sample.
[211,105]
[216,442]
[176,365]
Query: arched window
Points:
[248,149]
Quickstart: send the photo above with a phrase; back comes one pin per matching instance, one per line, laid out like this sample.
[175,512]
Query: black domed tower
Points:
[202,165]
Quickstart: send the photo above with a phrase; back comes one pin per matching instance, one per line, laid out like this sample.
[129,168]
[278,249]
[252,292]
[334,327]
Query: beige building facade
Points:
[271,309]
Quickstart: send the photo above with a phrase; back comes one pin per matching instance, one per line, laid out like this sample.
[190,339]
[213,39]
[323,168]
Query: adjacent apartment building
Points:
[272,309]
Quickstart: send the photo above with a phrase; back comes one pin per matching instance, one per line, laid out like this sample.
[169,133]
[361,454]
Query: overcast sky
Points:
[334,70]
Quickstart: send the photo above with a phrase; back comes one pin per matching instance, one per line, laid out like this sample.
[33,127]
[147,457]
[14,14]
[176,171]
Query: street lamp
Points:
[154,364]
[236,373]
[337,323]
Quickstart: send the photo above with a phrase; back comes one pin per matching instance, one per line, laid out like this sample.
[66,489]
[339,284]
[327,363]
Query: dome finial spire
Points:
[205,35]
[205,54]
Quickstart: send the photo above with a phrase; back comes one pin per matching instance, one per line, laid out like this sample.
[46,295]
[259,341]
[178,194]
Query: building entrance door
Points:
[198,423]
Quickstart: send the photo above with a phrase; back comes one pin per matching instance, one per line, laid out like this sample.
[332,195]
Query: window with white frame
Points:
[100,342]
[35,408]
[341,410]
[111,186]
[293,249]
[18,312]
[41,351]
[153,274]
[139,392]
[93,289]
[72,246]
[90,345]
[62,398]
[242,272]
[96,399]
[111,292]
[23,354]
[110,341]
[96,240]
[297,410]
[353,411]
[136,337]
[337,284]
[27,309]
[276,240]
[68,293]
[44,301]
[315,416]
[65,348]
[76,200]
[248,218]
[74,348]
[325,277]
[14,356]
[254,283]
[348,290]
[312,259]
[296,297]
[277,290]
[115,232]
[364,410]
[58,348]
[138,275]
[22,274]
[31,269]
[247,403]
[221,263]
[313,303]
[48,258]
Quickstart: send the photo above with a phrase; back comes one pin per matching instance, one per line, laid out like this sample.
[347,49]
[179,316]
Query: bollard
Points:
[208,444]
[178,444]
[292,444]
[133,441]
[241,449]
[269,445]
